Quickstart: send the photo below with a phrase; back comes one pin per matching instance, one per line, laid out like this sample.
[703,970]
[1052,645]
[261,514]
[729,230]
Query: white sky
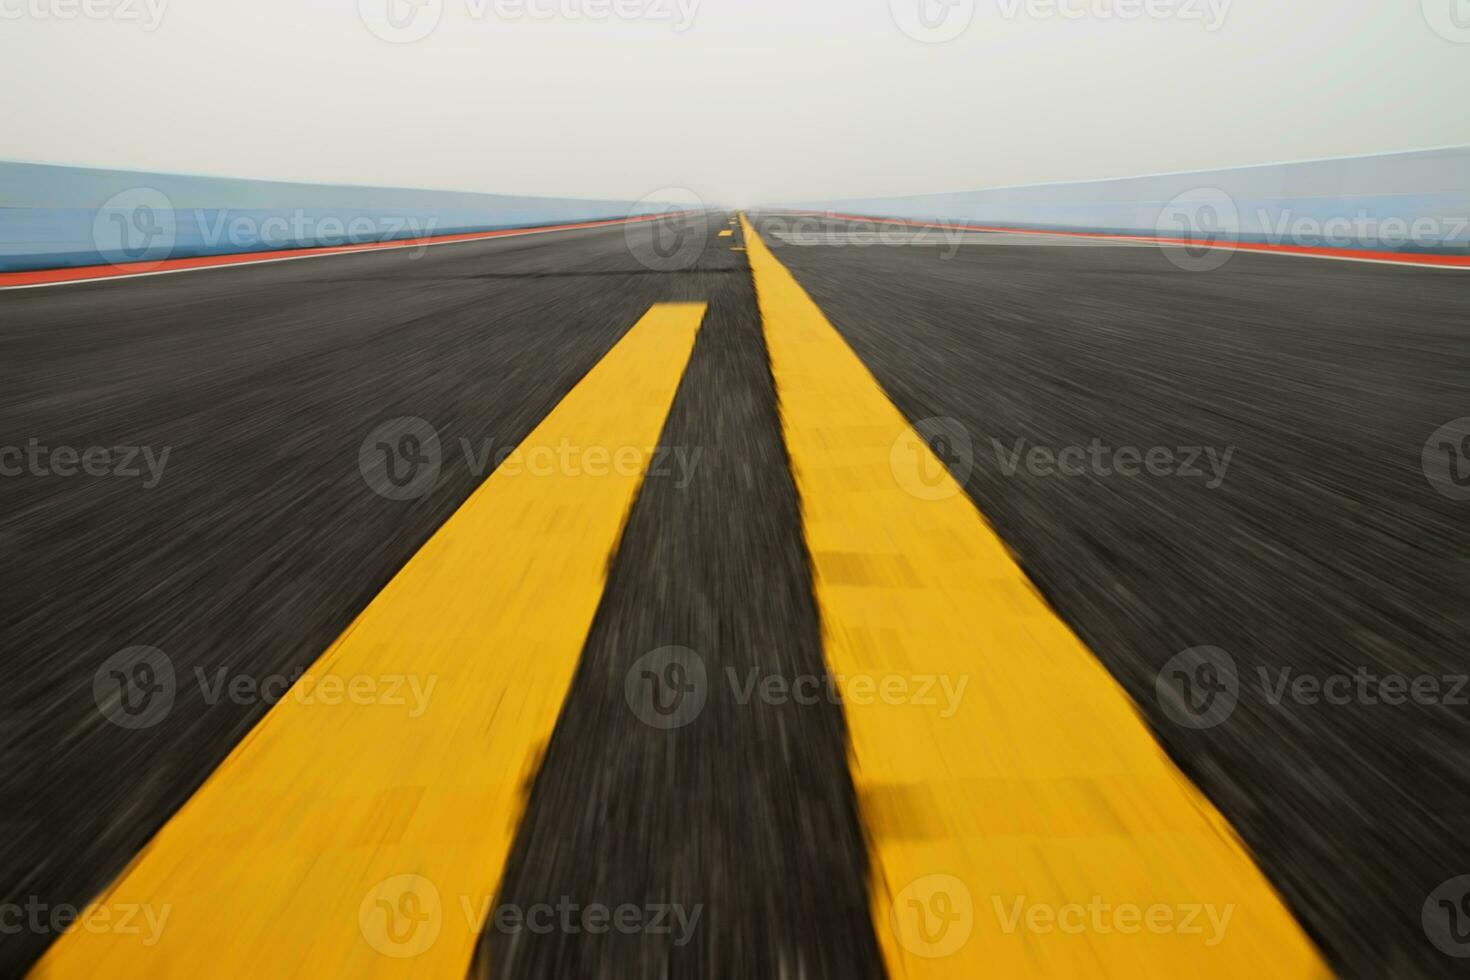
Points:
[755,100]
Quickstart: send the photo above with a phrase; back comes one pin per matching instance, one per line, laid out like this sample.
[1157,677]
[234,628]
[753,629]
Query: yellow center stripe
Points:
[344,838]
[1023,820]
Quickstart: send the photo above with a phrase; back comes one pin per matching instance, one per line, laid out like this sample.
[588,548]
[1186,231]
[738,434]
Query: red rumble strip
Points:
[88,273]
[1360,255]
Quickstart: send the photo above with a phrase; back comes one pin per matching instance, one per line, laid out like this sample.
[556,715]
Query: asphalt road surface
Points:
[1323,549]
[1273,414]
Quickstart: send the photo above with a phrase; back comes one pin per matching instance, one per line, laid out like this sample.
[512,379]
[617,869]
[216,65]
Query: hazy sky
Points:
[739,100]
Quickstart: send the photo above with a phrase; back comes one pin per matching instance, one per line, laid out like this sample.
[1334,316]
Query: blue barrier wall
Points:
[1412,201]
[54,217]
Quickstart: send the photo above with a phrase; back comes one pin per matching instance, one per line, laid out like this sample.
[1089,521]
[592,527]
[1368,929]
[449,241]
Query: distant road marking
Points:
[726,233]
[1043,787]
[1452,262]
[75,275]
[347,840]
[933,238]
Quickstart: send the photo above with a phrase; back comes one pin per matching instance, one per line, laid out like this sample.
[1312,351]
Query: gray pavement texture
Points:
[1286,519]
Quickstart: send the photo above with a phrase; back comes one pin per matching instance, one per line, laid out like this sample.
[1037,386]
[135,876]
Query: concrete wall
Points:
[1406,202]
[53,217]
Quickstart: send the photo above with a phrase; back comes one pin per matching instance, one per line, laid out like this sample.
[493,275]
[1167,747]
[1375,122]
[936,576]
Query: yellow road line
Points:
[350,839]
[726,233]
[1023,820]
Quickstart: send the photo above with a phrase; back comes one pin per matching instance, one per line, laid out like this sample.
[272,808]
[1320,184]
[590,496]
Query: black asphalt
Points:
[1323,549]
[735,810]
[261,540]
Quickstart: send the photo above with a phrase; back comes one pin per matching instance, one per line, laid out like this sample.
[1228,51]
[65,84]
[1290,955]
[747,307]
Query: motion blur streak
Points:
[1044,789]
[340,823]
[1345,254]
[131,270]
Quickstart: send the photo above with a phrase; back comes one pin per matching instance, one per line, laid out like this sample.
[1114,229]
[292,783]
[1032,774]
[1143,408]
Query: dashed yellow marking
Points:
[726,233]
[1024,821]
[348,839]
